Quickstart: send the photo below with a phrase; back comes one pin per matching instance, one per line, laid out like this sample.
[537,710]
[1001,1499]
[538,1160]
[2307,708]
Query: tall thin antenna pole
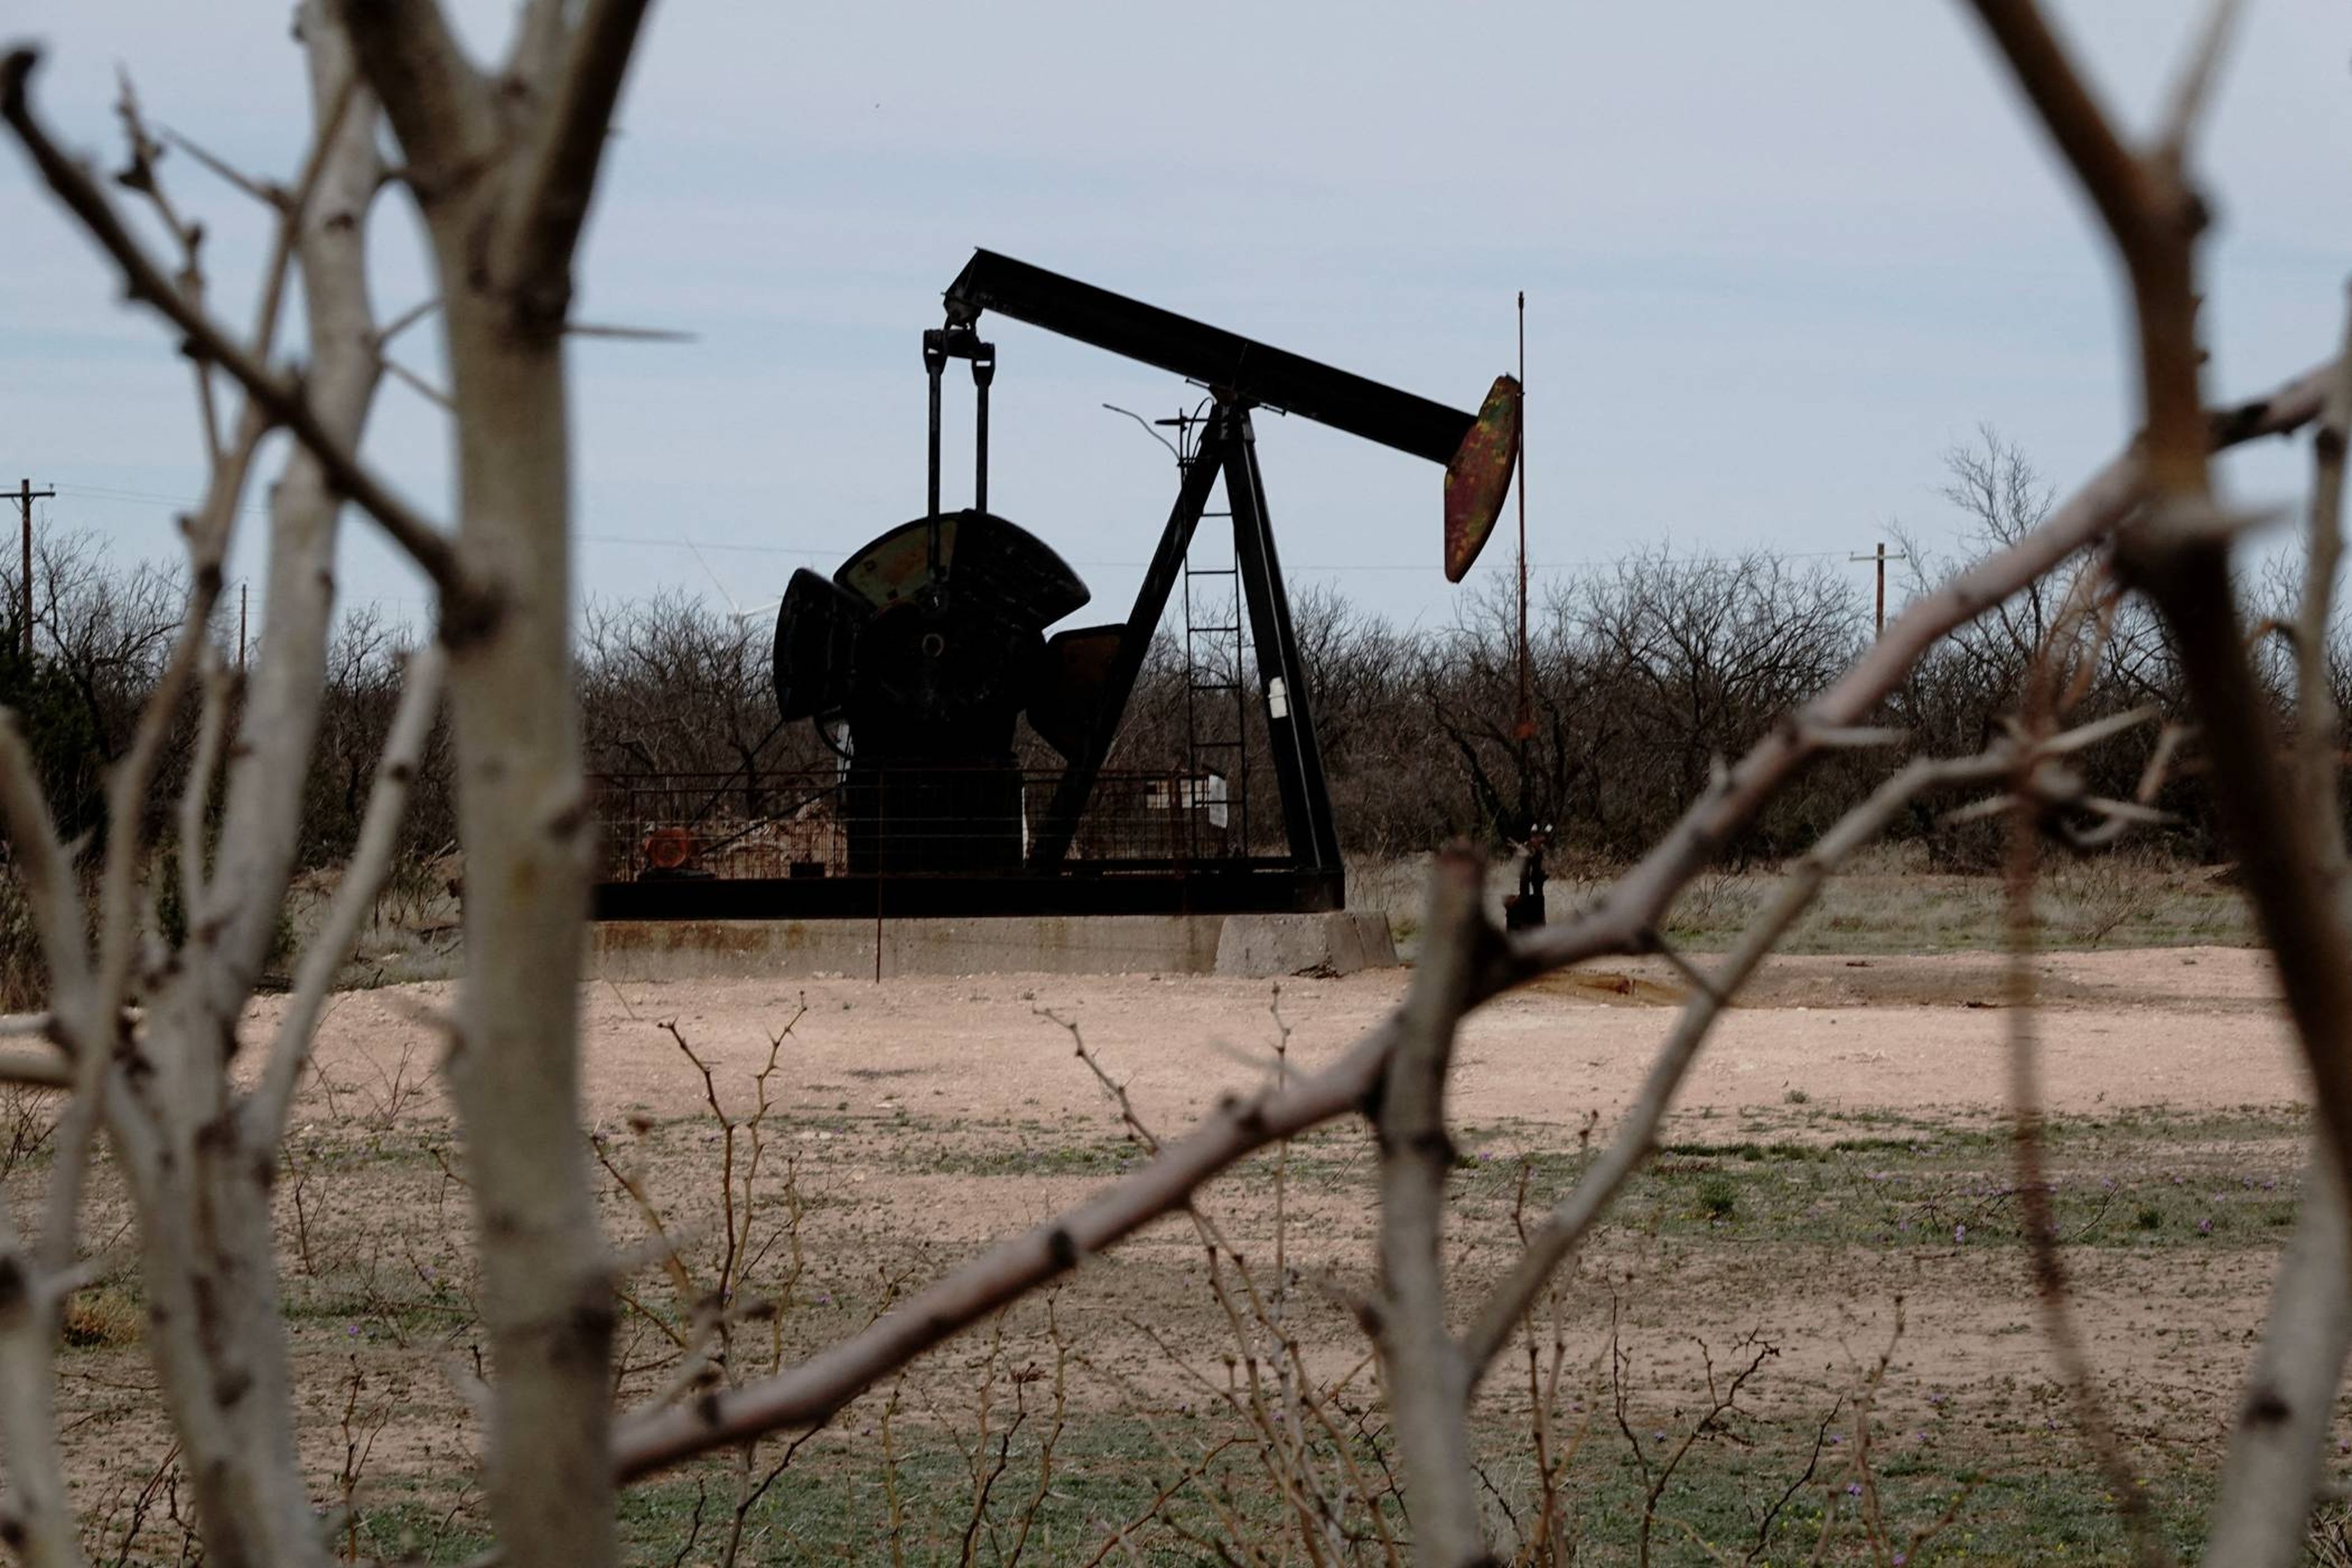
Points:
[1526,728]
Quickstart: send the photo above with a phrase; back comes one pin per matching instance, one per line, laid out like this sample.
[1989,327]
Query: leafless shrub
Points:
[2093,898]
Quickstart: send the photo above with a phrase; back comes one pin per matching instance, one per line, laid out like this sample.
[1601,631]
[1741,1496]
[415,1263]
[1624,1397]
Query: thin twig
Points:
[197,792]
[363,875]
[2186,104]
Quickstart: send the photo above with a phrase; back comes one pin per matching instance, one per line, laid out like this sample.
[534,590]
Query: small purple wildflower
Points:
[1959,1233]
[1853,1489]
[2204,1227]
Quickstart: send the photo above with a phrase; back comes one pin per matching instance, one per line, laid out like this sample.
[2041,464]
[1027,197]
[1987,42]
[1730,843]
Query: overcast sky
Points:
[1778,259]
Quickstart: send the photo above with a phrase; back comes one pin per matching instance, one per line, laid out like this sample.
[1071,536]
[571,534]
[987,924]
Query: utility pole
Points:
[26,496]
[1880,556]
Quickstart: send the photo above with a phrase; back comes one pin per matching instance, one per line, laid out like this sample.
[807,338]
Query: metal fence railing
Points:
[835,823]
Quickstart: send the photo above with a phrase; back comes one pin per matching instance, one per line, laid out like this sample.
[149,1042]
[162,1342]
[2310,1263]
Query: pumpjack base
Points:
[1235,946]
[1197,890]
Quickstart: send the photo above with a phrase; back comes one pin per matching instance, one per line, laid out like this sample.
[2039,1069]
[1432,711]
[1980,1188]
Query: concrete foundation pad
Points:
[1337,943]
[1340,942]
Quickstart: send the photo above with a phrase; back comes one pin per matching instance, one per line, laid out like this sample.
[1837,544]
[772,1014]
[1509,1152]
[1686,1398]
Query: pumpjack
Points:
[917,657]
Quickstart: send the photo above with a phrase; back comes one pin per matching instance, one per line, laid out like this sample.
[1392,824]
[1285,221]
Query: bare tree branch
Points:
[294,211]
[281,397]
[2277,1447]
[36,1066]
[40,860]
[2154,218]
[439,105]
[504,173]
[261,812]
[2318,724]
[2103,501]
[363,874]
[2277,1457]
[2027,811]
[200,1192]
[1427,1376]
[2186,105]
[558,172]
[406,320]
[126,789]
[1564,1230]
[197,792]
[39,1507]
[419,386]
[2278,1444]
[260,191]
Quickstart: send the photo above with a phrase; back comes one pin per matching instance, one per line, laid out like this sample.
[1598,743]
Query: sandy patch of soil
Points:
[2191,1028]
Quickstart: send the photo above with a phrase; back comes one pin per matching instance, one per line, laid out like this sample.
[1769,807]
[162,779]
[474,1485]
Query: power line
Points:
[682,541]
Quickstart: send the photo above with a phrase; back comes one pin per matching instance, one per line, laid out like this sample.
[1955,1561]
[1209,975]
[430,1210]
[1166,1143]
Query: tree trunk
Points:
[521,811]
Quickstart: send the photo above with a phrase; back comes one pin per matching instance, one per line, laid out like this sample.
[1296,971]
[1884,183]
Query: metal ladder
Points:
[1216,705]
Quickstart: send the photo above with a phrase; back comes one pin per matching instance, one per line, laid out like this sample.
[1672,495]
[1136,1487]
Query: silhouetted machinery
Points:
[919,655]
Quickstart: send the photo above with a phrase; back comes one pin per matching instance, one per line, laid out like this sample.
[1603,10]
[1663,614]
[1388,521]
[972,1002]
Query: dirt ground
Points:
[2188,1028]
[1836,1160]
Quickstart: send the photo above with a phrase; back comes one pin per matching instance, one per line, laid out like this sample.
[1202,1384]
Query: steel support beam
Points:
[1077,783]
[1281,673]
